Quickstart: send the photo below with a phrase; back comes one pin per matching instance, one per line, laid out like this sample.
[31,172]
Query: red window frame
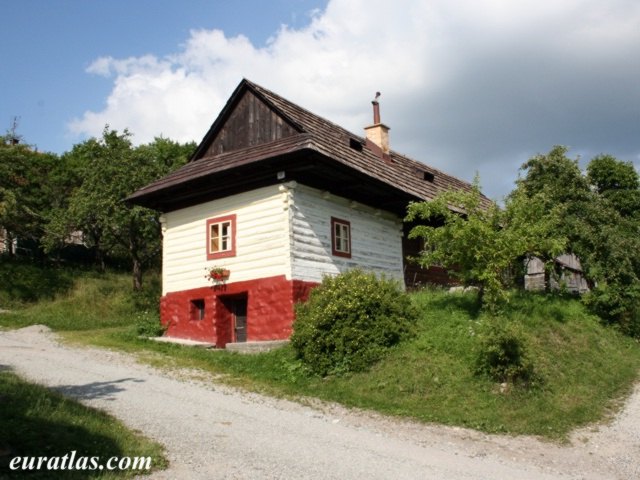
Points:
[334,250]
[231,252]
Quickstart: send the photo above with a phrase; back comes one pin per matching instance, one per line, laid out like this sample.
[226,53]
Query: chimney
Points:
[378,133]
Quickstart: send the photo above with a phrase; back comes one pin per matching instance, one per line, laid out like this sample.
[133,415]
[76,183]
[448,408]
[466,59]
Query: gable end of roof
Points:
[239,94]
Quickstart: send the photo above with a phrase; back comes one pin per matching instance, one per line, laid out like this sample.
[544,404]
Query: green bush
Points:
[350,321]
[149,297]
[617,305]
[503,355]
[148,324]
[146,305]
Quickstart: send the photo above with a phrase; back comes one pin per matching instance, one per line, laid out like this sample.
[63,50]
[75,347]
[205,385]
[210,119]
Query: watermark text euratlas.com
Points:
[73,461]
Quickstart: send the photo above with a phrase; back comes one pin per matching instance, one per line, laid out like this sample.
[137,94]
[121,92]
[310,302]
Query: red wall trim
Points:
[227,253]
[270,310]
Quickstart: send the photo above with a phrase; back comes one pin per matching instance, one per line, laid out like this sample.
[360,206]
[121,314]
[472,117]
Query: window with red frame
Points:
[340,237]
[221,237]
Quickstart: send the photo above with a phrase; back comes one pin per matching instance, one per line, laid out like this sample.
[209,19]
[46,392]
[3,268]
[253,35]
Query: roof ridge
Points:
[264,90]
[342,129]
[271,96]
[260,90]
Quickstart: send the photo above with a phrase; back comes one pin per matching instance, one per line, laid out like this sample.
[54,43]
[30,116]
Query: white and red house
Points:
[273,199]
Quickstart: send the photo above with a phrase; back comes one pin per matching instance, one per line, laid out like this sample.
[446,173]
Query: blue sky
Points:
[47,45]
[467,85]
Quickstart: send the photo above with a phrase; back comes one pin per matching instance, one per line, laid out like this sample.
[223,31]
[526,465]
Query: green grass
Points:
[586,368]
[86,300]
[37,422]
[24,282]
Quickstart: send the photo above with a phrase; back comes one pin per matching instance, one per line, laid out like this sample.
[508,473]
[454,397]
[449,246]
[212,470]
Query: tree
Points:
[558,183]
[556,176]
[111,169]
[616,181]
[601,223]
[482,244]
[26,190]
[615,246]
[61,184]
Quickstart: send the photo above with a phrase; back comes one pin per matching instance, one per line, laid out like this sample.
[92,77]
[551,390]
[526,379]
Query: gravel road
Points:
[215,432]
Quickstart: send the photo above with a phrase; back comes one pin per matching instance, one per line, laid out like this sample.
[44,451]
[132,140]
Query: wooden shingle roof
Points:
[309,137]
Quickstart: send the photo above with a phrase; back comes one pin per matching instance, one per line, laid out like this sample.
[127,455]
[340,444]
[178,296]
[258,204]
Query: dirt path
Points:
[214,432]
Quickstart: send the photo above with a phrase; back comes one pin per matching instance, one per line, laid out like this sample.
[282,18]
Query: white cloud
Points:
[466,85]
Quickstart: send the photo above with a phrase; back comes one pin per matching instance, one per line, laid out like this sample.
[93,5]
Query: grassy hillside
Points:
[581,368]
[22,283]
[71,299]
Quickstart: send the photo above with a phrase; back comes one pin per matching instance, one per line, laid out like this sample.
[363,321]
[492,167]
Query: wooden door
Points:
[239,311]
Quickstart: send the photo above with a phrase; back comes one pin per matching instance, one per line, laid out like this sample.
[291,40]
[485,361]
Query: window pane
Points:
[341,237]
[226,236]
[345,241]
[221,237]
[215,237]
[345,238]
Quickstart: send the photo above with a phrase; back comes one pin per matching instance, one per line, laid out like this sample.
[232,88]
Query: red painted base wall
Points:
[270,314]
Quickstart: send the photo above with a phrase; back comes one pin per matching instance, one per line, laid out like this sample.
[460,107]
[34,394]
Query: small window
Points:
[340,237]
[428,176]
[355,144]
[196,310]
[221,237]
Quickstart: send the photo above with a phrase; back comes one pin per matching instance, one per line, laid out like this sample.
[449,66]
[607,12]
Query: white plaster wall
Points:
[262,239]
[376,236]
